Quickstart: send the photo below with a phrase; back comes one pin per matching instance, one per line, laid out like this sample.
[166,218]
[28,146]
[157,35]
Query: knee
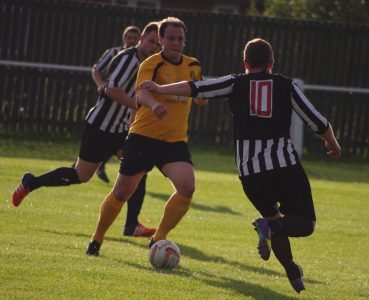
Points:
[83,179]
[123,192]
[312,228]
[308,229]
[187,190]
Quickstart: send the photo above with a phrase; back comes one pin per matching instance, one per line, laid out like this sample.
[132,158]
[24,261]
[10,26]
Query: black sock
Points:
[280,243]
[134,203]
[58,177]
[282,249]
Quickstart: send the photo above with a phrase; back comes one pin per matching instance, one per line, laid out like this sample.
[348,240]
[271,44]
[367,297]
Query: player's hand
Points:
[201,102]
[149,85]
[159,110]
[333,150]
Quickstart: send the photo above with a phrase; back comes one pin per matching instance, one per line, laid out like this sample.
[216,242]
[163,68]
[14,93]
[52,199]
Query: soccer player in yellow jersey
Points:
[157,137]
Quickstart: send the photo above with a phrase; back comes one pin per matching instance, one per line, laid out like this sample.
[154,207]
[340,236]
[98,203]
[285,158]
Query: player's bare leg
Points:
[183,178]
[111,207]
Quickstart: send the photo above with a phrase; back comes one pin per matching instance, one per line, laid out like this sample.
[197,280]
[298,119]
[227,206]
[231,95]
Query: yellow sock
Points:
[109,210]
[174,210]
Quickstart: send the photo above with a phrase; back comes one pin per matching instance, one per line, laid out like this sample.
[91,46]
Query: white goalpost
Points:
[297,125]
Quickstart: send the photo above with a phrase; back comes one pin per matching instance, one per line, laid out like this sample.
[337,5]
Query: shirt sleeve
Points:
[213,88]
[307,112]
[121,69]
[104,60]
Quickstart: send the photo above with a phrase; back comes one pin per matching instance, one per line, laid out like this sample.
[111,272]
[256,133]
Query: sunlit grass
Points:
[43,241]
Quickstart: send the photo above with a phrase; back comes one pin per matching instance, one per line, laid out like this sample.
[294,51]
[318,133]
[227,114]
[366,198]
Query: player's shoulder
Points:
[128,51]
[113,51]
[281,77]
[153,59]
[126,54]
[152,62]
[191,61]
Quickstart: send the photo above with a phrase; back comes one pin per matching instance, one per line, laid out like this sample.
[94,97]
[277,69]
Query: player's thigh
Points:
[259,189]
[85,169]
[295,193]
[118,144]
[96,145]
[137,157]
[182,176]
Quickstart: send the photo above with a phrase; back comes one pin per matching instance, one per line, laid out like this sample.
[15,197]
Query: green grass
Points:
[42,242]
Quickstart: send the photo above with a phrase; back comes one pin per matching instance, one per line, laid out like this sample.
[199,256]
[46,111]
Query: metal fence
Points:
[35,99]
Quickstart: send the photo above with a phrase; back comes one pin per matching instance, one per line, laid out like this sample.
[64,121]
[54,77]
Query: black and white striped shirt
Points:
[103,62]
[109,115]
[261,105]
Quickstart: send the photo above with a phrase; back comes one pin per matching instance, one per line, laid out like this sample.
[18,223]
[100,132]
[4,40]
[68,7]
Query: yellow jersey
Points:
[173,127]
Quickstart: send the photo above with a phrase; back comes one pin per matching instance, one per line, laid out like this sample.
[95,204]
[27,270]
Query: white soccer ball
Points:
[165,255]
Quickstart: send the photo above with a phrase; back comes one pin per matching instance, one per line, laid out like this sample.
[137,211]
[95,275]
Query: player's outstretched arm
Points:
[330,143]
[145,98]
[180,88]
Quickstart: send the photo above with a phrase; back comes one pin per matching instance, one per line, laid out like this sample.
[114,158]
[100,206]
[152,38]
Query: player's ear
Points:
[270,65]
[160,40]
[246,64]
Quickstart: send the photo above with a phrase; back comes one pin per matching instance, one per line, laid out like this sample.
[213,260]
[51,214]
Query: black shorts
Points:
[288,186]
[141,154]
[98,145]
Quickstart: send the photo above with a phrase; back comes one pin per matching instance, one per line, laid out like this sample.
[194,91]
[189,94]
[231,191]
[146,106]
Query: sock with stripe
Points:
[174,210]
[109,210]
[59,177]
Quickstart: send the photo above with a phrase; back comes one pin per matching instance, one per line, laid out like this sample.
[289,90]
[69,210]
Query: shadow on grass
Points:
[239,287]
[189,252]
[194,205]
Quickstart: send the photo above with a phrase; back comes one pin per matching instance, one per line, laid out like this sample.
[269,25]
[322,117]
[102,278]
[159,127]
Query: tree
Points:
[324,10]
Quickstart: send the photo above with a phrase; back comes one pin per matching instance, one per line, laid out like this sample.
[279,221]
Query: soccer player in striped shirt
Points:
[130,38]
[269,169]
[106,124]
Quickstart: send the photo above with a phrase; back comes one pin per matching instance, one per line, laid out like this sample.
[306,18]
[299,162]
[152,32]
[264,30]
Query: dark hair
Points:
[131,28]
[152,26]
[258,53]
[170,21]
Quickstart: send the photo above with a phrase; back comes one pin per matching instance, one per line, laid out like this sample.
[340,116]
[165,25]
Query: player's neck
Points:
[172,57]
[140,54]
[257,70]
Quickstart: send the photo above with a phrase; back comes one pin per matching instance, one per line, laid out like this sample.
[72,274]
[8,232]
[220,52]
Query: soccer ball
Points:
[164,255]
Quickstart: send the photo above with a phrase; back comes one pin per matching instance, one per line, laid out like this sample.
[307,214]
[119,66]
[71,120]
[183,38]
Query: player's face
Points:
[131,39]
[150,43]
[173,42]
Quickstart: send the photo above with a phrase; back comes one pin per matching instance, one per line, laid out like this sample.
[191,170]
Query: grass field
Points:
[42,242]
